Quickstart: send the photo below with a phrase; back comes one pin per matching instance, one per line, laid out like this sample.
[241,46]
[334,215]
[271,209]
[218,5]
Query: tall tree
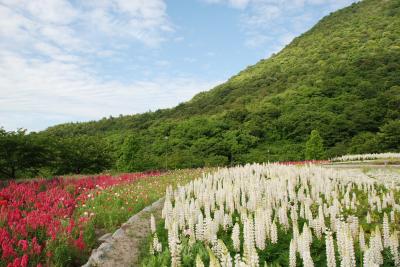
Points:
[315,146]
[134,156]
[81,154]
[390,135]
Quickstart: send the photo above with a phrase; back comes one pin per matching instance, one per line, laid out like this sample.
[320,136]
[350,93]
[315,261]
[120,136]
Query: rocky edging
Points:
[123,247]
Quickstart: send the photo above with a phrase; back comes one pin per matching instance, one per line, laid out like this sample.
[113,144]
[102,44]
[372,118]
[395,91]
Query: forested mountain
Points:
[341,78]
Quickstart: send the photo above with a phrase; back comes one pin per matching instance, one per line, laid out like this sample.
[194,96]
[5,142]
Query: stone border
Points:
[122,248]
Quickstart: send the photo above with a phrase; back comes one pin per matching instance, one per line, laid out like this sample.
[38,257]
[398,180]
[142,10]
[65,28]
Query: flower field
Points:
[279,215]
[56,222]
[366,157]
[37,219]
[114,206]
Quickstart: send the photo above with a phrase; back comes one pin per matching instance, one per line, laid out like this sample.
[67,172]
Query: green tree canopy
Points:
[134,155]
[81,154]
[315,146]
[21,154]
[390,135]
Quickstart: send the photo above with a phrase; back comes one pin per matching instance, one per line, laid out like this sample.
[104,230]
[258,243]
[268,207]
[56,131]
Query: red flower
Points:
[23,244]
[24,261]
[79,243]
[37,249]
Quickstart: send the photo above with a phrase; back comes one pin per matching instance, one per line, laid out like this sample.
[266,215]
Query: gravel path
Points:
[124,246]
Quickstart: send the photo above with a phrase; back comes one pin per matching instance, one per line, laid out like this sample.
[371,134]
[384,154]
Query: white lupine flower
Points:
[199,262]
[236,237]
[354,226]
[362,157]
[227,221]
[379,205]
[152,224]
[330,250]
[213,260]
[292,253]
[317,228]
[375,248]
[175,251]
[156,246]
[351,254]
[307,260]
[254,261]
[394,248]
[368,260]
[378,238]
[345,245]
[361,240]
[224,256]
[260,233]
[238,260]
[369,217]
[386,231]
[200,228]
[274,233]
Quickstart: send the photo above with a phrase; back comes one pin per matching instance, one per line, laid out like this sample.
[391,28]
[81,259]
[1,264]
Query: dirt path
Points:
[124,246]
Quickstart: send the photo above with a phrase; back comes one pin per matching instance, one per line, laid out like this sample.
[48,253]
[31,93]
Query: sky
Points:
[69,60]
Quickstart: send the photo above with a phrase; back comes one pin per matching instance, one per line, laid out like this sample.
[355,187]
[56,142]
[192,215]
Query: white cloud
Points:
[260,14]
[256,39]
[240,4]
[47,73]
[62,92]
[47,11]
[275,22]
[61,22]
[144,20]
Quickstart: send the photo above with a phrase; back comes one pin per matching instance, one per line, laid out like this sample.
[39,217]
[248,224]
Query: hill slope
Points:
[342,78]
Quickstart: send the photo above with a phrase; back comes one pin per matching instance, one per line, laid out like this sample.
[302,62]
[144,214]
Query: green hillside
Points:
[341,78]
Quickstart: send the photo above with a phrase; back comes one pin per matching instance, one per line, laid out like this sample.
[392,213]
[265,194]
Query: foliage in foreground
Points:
[277,215]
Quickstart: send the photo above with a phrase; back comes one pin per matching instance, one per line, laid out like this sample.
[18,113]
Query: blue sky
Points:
[70,60]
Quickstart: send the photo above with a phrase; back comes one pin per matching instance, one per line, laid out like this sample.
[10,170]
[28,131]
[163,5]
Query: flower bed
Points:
[38,220]
[276,215]
[304,162]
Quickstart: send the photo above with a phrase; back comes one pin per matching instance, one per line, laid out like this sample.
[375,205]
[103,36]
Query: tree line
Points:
[24,155]
[200,142]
